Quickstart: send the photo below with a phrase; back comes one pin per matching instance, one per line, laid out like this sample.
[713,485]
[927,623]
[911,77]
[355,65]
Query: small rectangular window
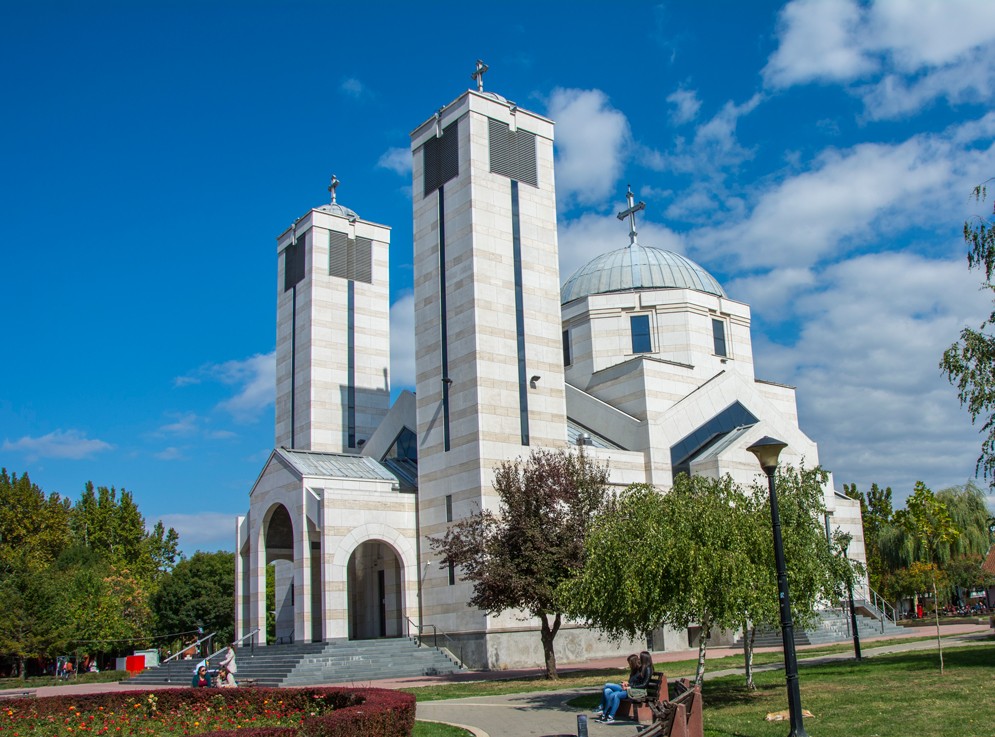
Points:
[452,574]
[449,507]
[567,358]
[719,337]
[640,327]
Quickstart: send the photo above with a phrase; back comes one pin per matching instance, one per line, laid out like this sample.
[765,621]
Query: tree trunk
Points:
[749,637]
[699,675]
[548,635]
[20,666]
[936,614]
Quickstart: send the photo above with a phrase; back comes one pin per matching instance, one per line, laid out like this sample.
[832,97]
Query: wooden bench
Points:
[680,717]
[638,710]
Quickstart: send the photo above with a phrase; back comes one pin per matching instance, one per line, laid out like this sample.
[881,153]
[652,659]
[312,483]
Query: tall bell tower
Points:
[487,312]
[333,330]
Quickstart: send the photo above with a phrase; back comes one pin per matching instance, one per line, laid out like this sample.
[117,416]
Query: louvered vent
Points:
[441,158]
[513,154]
[293,263]
[350,258]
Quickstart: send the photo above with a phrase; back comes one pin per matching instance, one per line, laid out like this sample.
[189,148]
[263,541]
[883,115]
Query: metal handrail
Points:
[187,647]
[451,644]
[879,606]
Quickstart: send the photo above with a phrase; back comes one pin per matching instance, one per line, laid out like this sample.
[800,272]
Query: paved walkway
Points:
[546,714]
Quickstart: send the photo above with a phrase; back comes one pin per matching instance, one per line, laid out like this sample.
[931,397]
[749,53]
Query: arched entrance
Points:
[279,541]
[376,599]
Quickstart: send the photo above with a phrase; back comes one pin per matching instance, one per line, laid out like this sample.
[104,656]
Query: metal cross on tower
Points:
[631,214]
[478,75]
[333,186]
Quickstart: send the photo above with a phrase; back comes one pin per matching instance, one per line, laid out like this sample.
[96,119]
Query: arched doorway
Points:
[376,598]
[279,541]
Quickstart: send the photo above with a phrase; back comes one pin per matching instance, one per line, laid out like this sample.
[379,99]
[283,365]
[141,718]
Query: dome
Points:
[337,209]
[638,267]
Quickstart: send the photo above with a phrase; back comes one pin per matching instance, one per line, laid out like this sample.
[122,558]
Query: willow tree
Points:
[681,559]
[517,559]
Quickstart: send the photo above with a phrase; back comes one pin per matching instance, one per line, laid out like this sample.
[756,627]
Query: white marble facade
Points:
[506,361]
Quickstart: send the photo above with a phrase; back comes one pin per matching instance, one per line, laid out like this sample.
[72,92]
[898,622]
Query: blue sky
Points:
[816,156]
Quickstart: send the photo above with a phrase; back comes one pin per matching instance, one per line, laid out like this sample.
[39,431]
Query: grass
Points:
[38,681]
[593,677]
[885,696]
[432,729]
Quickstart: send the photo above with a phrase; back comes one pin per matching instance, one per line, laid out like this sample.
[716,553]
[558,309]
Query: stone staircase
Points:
[830,627]
[309,664]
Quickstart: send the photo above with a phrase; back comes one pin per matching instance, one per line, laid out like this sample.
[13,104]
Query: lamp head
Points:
[767,450]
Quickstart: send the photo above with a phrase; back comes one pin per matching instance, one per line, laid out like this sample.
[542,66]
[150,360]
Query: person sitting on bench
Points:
[640,672]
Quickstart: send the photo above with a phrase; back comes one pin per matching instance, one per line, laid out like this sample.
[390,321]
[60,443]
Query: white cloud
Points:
[254,379]
[853,198]
[186,423]
[207,531]
[171,453]
[402,342]
[355,88]
[686,105]
[66,444]
[398,160]
[713,149]
[866,364]
[908,53]
[591,142]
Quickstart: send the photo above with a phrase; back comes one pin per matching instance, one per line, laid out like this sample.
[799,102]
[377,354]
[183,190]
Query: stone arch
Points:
[277,542]
[378,564]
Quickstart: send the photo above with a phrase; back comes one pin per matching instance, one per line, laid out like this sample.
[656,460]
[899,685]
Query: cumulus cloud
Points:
[171,453]
[402,343]
[904,54]
[591,142]
[65,444]
[866,364]
[849,198]
[398,160]
[207,531]
[185,423]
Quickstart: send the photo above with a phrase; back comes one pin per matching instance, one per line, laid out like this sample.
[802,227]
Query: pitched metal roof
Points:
[336,465]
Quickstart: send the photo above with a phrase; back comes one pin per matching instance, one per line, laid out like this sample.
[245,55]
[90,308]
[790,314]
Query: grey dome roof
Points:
[337,209]
[638,267]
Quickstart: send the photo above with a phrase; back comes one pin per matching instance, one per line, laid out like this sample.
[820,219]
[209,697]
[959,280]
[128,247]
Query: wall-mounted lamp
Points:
[534,380]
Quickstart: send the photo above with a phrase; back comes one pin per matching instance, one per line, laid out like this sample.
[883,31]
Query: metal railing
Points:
[878,607]
[451,645]
[196,645]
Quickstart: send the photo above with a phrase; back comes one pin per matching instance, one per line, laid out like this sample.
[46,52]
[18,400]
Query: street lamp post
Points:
[853,614]
[767,450]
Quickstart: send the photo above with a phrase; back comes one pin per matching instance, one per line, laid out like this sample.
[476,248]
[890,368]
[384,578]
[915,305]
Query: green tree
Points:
[817,570]
[199,591]
[930,529]
[677,559]
[518,558]
[969,364]
[877,514]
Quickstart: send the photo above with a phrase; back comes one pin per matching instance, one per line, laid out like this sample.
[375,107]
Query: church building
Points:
[640,357]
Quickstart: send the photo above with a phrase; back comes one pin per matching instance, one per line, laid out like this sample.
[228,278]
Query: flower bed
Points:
[253,712]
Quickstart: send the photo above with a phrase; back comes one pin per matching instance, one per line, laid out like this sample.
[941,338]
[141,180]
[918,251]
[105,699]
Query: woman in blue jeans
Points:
[640,672]
[612,693]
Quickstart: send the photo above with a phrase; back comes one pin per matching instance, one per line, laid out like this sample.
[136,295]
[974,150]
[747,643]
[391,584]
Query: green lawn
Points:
[431,729]
[885,696]
[596,677]
[105,677]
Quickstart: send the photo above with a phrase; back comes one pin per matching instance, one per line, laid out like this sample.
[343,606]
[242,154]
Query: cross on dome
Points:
[631,214]
[478,75]
[333,186]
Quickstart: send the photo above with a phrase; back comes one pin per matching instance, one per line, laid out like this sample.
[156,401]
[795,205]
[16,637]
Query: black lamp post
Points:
[849,590]
[767,450]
